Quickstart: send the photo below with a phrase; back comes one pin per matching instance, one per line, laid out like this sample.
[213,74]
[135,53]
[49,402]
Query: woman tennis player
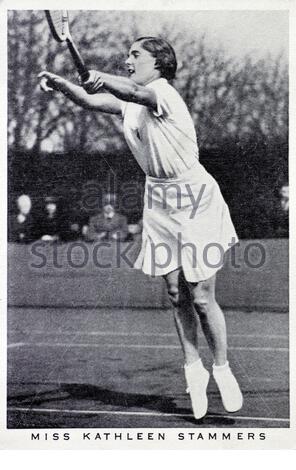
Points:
[186,223]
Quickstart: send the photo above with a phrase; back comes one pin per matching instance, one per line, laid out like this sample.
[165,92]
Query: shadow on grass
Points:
[94,397]
[85,392]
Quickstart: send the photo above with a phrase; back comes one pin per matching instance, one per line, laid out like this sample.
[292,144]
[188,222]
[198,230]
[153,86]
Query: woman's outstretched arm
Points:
[104,102]
[121,87]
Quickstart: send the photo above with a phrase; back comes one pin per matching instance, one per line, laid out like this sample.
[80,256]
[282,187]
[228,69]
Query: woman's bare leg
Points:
[211,318]
[214,327]
[186,319]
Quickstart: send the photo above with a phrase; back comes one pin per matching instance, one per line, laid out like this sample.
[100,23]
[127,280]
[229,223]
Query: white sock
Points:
[197,378]
[229,388]
[195,365]
[221,368]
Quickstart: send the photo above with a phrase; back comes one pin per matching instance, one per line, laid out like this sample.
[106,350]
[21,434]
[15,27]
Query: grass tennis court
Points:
[103,368]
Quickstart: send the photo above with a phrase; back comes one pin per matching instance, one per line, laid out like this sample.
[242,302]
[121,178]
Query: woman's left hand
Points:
[50,81]
[94,83]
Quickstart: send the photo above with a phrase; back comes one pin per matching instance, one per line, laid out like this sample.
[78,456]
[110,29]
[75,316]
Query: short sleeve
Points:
[123,105]
[161,89]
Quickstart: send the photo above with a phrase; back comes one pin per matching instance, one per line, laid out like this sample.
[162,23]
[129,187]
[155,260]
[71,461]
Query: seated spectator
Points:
[73,232]
[72,223]
[284,197]
[21,226]
[108,225]
[135,230]
[281,213]
[50,223]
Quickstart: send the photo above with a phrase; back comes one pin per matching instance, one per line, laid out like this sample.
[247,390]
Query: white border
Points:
[276,438]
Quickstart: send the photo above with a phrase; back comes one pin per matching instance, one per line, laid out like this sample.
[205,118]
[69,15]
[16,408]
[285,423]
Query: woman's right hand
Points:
[50,81]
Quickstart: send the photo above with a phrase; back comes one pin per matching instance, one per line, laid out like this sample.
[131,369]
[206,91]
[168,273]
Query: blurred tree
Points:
[51,122]
[231,100]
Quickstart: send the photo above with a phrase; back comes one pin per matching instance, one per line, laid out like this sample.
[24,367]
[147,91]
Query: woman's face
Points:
[141,65]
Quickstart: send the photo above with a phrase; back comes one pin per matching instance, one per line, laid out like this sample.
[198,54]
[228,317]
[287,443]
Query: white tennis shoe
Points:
[197,378]
[230,392]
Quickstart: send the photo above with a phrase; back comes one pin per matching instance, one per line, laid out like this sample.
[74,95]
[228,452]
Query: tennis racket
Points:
[58,21]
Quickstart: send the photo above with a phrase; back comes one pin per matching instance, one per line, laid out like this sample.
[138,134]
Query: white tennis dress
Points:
[186,222]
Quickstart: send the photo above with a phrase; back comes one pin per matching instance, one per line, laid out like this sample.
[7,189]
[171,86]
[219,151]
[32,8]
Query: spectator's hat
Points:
[50,199]
[109,198]
[24,198]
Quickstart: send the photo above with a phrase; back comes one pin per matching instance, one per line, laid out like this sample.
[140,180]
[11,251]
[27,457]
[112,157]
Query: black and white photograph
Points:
[146,231]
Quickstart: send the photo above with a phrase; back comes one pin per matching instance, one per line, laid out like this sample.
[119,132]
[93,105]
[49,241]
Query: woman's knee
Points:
[173,291]
[172,283]
[203,297]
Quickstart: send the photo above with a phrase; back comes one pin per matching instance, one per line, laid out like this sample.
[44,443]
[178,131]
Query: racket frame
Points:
[66,37]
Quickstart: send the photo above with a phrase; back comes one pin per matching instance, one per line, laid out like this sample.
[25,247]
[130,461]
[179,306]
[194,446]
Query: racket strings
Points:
[59,20]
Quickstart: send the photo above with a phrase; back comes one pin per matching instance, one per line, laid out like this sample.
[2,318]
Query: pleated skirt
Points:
[186,224]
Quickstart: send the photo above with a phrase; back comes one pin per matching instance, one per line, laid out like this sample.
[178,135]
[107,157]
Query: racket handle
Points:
[79,62]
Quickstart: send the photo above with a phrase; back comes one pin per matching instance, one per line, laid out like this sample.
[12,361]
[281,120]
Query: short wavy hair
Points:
[164,54]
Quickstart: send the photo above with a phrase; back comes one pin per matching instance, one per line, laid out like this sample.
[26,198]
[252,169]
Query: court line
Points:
[143,413]
[134,333]
[135,346]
